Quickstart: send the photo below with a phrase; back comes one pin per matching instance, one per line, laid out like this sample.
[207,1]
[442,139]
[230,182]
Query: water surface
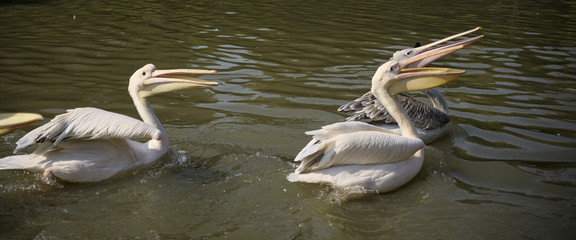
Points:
[506,168]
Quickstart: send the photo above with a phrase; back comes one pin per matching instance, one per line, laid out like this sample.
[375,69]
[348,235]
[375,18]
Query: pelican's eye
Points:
[144,73]
[409,53]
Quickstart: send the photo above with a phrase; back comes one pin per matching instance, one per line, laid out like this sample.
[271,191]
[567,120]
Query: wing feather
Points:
[321,136]
[87,123]
[421,114]
[355,148]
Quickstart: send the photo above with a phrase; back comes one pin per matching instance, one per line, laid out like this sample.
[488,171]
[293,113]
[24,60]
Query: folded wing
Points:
[354,143]
[86,124]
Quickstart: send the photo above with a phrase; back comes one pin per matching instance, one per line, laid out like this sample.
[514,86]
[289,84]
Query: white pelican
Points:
[358,154]
[90,144]
[430,121]
[12,121]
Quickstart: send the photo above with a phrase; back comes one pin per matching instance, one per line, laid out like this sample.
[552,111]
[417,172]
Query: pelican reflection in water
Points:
[90,144]
[430,121]
[360,155]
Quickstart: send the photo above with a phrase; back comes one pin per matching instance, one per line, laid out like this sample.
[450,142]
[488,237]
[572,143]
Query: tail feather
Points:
[311,148]
[18,162]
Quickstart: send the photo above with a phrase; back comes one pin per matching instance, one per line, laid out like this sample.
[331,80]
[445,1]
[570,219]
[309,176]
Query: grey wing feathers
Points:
[87,123]
[368,107]
[423,115]
[357,104]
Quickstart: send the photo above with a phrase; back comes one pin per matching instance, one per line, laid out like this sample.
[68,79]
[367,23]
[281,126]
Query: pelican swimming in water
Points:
[430,121]
[358,154]
[90,144]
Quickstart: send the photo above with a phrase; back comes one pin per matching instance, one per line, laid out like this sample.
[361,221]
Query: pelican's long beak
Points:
[162,81]
[433,46]
[12,121]
[430,54]
[417,79]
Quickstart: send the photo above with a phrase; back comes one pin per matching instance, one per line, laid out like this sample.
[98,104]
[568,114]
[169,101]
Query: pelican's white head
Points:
[385,75]
[148,80]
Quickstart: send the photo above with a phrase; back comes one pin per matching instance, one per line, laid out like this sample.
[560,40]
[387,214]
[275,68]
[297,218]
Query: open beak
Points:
[430,54]
[417,79]
[12,121]
[434,46]
[163,81]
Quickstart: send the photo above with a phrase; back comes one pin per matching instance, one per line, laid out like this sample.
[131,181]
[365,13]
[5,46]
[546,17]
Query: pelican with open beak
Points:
[353,155]
[430,120]
[90,144]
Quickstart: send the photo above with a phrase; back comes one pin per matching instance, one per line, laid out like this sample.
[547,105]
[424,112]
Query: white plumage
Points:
[357,154]
[90,144]
[86,124]
[374,177]
[361,143]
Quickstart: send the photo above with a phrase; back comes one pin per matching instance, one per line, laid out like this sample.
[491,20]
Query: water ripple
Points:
[507,160]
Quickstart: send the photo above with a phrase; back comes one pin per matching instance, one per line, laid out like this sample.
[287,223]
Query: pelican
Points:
[357,154]
[430,121]
[90,144]
[12,121]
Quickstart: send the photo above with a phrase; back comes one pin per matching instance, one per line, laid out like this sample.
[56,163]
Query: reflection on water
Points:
[505,169]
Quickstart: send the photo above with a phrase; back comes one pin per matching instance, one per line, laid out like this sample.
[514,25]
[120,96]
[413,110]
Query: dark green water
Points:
[505,170]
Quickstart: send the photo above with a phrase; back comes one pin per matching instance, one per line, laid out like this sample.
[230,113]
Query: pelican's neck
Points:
[396,111]
[154,148]
[437,99]
[145,111]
